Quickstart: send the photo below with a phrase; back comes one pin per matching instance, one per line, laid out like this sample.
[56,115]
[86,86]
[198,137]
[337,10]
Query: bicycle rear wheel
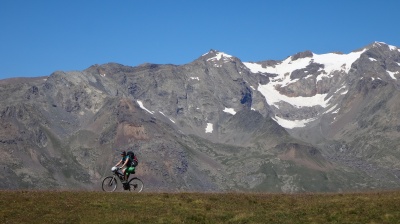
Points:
[136,185]
[109,184]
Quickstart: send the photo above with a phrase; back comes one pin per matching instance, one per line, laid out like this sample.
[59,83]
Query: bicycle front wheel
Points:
[109,184]
[136,185]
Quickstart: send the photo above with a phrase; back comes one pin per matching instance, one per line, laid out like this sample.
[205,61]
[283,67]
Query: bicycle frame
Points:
[119,175]
[134,184]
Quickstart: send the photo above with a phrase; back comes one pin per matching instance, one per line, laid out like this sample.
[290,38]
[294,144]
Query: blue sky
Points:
[40,37]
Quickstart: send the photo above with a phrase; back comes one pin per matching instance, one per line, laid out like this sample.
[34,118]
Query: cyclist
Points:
[126,162]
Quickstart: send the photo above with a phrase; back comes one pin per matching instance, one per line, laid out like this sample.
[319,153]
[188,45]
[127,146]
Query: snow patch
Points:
[144,108]
[167,117]
[219,56]
[392,74]
[372,59]
[273,97]
[289,124]
[230,111]
[330,109]
[392,48]
[209,128]
[336,111]
[308,76]
[332,62]
[194,78]
[340,89]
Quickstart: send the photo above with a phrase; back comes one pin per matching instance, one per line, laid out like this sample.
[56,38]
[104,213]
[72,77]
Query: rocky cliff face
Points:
[307,123]
[346,104]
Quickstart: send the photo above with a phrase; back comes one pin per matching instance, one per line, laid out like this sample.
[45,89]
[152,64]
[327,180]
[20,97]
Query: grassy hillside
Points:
[99,207]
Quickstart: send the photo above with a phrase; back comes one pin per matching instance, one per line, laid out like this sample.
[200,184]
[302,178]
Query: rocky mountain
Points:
[307,123]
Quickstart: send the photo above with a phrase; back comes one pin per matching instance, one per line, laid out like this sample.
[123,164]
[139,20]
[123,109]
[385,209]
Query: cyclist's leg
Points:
[129,170]
[124,172]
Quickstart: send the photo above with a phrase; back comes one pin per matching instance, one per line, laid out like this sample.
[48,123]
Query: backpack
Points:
[134,160]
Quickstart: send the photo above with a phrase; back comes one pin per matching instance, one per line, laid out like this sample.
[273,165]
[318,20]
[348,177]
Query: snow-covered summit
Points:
[314,67]
[316,82]
[383,44]
[217,56]
[330,62]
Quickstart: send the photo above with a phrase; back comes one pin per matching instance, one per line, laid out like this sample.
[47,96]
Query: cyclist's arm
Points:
[118,163]
[126,162]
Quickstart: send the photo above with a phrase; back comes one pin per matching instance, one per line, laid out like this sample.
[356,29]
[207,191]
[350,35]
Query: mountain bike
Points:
[110,183]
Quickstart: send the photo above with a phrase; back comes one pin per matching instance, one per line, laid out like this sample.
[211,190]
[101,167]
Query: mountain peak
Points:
[378,44]
[304,54]
[215,53]
[217,56]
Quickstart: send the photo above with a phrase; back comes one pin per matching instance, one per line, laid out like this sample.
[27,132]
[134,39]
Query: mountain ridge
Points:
[306,123]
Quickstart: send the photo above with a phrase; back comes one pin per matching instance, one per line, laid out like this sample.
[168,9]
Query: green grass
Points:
[99,207]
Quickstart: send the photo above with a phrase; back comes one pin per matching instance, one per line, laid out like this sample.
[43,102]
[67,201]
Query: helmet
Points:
[123,153]
[114,168]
